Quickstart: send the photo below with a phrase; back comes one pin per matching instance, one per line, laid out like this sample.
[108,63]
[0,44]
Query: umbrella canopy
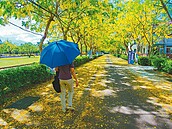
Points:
[59,53]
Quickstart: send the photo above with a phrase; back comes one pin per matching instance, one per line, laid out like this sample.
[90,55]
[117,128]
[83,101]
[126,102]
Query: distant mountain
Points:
[0,41]
[13,41]
[18,42]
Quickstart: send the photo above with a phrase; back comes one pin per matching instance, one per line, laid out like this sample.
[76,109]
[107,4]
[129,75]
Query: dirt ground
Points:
[111,95]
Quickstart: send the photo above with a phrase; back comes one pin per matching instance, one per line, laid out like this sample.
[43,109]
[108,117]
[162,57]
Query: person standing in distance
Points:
[66,73]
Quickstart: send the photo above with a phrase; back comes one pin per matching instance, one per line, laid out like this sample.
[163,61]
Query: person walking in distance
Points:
[66,73]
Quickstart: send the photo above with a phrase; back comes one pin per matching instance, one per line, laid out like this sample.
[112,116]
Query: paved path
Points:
[112,95]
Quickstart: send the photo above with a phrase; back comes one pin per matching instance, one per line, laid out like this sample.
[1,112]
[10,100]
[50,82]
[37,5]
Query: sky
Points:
[17,35]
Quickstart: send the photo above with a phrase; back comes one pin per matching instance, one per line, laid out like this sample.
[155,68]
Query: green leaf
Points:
[1,21]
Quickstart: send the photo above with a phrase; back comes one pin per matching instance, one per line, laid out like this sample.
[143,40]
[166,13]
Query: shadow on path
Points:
[24,103]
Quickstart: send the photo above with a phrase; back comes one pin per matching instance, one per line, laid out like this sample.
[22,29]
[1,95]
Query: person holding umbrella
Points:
[66,73]
[60,55]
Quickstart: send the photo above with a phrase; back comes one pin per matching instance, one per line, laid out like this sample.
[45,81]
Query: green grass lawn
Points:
[5,62]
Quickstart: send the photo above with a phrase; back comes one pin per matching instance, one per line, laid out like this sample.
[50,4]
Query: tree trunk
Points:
[65,36]
[126,46]
[81,49]
[45,33]
[91,52]
[149,50]
[86,49]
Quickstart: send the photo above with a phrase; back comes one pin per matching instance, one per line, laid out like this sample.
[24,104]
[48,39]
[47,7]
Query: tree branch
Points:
[23,28]
[56,15]
[165,8]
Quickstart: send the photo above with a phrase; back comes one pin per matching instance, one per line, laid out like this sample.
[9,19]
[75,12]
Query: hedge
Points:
[14,78]
[81,60]
[144,61]
[162,64]
[125,57]
[168,66]
[159,63]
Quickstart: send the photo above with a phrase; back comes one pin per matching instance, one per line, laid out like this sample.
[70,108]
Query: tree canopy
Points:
[98,25]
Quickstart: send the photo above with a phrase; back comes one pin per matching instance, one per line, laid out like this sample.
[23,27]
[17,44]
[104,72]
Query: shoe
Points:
[71,108]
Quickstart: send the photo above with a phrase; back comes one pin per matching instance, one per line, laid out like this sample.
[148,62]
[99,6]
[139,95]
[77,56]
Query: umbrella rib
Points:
[61,50]
[52,62]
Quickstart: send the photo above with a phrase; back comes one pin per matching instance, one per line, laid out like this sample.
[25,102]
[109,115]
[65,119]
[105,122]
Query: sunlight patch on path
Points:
[102,83]
[165,107]
[125,83]
[22,116]
[101,75]
[149,119]
[138,67]
[44,93]
[36,107]
[2,122]
[145,87]
[126,78]
[127,110]
[145,119]
[105,81]
[102,93]
[161,90]
[159,80]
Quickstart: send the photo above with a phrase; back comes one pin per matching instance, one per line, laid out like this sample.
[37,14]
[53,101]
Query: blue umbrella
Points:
[59,53]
